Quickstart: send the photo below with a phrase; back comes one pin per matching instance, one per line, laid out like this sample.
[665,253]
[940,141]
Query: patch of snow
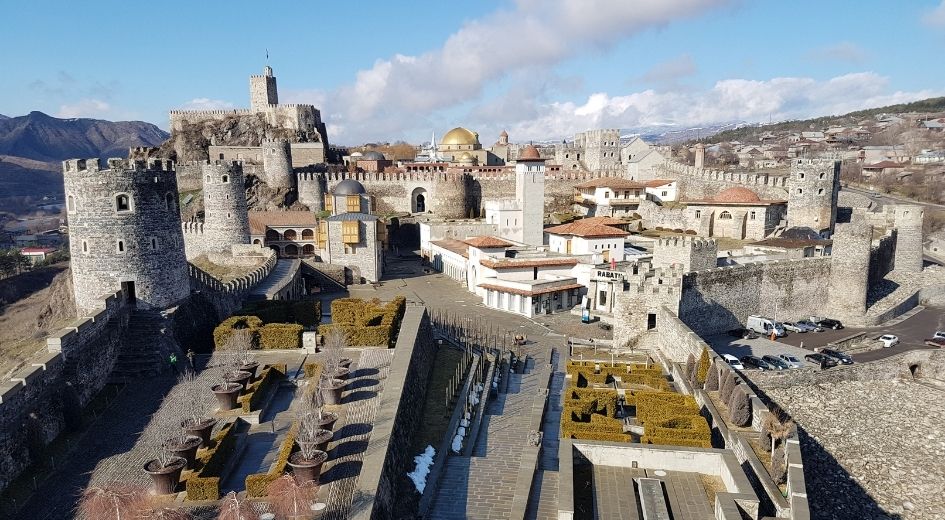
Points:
[457,445]
[423,461]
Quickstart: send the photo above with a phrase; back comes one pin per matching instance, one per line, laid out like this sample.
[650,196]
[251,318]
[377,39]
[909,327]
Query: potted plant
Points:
[313,402]
[166,467]
[293,498]
[331,389]
[336,365]
[306,463]
[240,377]
[240,346]
[227,393]
[232,507]
[198,421]
[184,445]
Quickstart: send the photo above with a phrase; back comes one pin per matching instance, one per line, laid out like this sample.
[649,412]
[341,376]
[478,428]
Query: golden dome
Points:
[460,136]
[467,158]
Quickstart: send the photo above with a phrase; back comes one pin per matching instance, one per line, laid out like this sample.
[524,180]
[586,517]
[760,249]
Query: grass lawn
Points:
[221,272]
[436,414]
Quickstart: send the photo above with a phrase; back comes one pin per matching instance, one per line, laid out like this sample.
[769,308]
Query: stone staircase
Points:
[146,345]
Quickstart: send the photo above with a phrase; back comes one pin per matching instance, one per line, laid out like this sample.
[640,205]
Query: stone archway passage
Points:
[418,201]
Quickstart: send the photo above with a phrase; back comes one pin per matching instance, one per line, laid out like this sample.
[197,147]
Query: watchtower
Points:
[225,219]
[263,91]
[909,238]
[813,187]
[686,253]
[277,163]
[125,232]
[311,187]
[850,269]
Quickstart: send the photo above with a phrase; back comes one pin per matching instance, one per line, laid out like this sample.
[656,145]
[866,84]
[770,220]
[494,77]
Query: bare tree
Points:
[291,498]
[335,343]
[113,502]
[233,507]
[192,395]
[240,346]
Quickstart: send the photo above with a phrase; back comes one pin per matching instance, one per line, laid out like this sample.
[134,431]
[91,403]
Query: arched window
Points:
[272,234]
[308,234]
[225,179]
[169,201]
[289,234]
[154,244]
[256,241]
[70,203]
[122,202]
[308,249]
[121,246]
[725,215]
[85,246]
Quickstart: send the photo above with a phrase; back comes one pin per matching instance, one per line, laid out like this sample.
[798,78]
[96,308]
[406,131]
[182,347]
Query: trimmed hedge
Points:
[270,375]
[280,336]
[205,484]
[312,370]
[589,414]
[307,313]
[223,331]
[257,484]
[367,322]
[655,407]
[704,364]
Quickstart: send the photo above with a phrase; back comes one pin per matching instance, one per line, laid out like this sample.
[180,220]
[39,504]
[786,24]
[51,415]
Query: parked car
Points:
[743,333]
[775,362]
[755,362]
[733,361]
[839,356]
[810,326]
[790,326]
[889,340]
[765,326]
[827,323]
[791,360]
[820,359]
[935,342]
[939,334]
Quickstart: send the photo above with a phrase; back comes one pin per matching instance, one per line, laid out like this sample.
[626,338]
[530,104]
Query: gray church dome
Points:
[348,187]
[372,156]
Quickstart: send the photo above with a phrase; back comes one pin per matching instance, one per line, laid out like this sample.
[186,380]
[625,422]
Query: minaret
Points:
[433,151]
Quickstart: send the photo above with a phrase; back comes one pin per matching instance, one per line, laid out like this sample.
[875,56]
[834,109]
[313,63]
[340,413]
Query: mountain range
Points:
[32,147]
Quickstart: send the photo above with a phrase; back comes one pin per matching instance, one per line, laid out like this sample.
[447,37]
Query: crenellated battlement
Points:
[201,280]
[192,227]
[671,168]
[694,243]
[93,165]
[218,112]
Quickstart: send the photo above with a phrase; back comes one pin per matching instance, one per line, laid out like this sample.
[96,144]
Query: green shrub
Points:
[223,331]
[367,322]
[704,364]
[307,313]
[270,375]
[280,336]
[205,484]
[312,370]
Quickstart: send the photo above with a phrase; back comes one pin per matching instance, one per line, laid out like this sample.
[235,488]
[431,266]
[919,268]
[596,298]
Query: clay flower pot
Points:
[240,377]
[251,368]
[185,448]
[341,373]
[201,429]
[227,395]
[327,422]
[322,437]
[307,469]
[166,478]
[345,362]
[331,390]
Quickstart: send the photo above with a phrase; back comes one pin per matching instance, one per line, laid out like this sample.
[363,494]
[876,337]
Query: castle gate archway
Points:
[418,201]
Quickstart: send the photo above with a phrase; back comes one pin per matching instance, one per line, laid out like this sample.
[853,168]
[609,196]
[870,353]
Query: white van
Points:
[764,326]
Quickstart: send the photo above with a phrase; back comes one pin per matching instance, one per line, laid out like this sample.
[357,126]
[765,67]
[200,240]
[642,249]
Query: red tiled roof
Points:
[582,228]
[487,242]
[655,183]
[457,246]
[27,250]
[612,183]
[260,220]
[735,196]
[606,221]
[511,263]
[537,292]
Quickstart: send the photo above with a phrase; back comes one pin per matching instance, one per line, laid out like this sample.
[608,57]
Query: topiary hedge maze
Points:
[367,322]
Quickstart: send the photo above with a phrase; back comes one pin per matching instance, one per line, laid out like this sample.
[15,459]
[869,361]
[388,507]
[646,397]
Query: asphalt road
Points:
[912,333]
[883,198]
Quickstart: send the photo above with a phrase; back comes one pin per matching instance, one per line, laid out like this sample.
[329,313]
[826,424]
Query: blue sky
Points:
[538,68]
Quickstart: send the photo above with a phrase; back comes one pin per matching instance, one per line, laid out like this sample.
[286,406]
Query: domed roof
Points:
[737,194]
[460,136]
[466,158]
[348,187]
[357,154]
[372,156]
[504,134]
[529,153]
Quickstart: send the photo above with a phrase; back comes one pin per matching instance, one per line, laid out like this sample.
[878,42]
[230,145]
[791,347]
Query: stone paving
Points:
[872,449]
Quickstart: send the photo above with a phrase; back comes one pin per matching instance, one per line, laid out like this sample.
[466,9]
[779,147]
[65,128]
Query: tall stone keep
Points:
[262,90]
[125,232]
[909,238]
[530,194]
[850,269]
[277,163]
[813,187]
[225,218]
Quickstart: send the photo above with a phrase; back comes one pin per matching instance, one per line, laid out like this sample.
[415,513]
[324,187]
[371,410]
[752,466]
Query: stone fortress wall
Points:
[700,183]
[124,227]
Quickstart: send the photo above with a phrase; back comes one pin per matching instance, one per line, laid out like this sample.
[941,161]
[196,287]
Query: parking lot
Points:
[912,333]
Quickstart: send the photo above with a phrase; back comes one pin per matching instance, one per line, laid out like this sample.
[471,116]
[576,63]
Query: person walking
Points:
[172,359]
[190,357]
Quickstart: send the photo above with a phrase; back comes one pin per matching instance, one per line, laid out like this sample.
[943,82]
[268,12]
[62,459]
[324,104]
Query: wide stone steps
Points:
[141,356]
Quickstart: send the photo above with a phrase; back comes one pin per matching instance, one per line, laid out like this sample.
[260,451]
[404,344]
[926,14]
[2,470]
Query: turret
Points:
[277,163]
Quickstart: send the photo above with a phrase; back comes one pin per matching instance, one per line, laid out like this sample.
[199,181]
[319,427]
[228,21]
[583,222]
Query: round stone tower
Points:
[277,163]
[311,186]
[909,238]
[125,232]
[813,187]
[225,221]
[850,269]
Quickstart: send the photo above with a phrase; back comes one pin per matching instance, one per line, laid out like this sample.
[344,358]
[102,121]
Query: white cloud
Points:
[848,52]
[728,100]
[206,104]
[935,17]
[87,107]
[533,35]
